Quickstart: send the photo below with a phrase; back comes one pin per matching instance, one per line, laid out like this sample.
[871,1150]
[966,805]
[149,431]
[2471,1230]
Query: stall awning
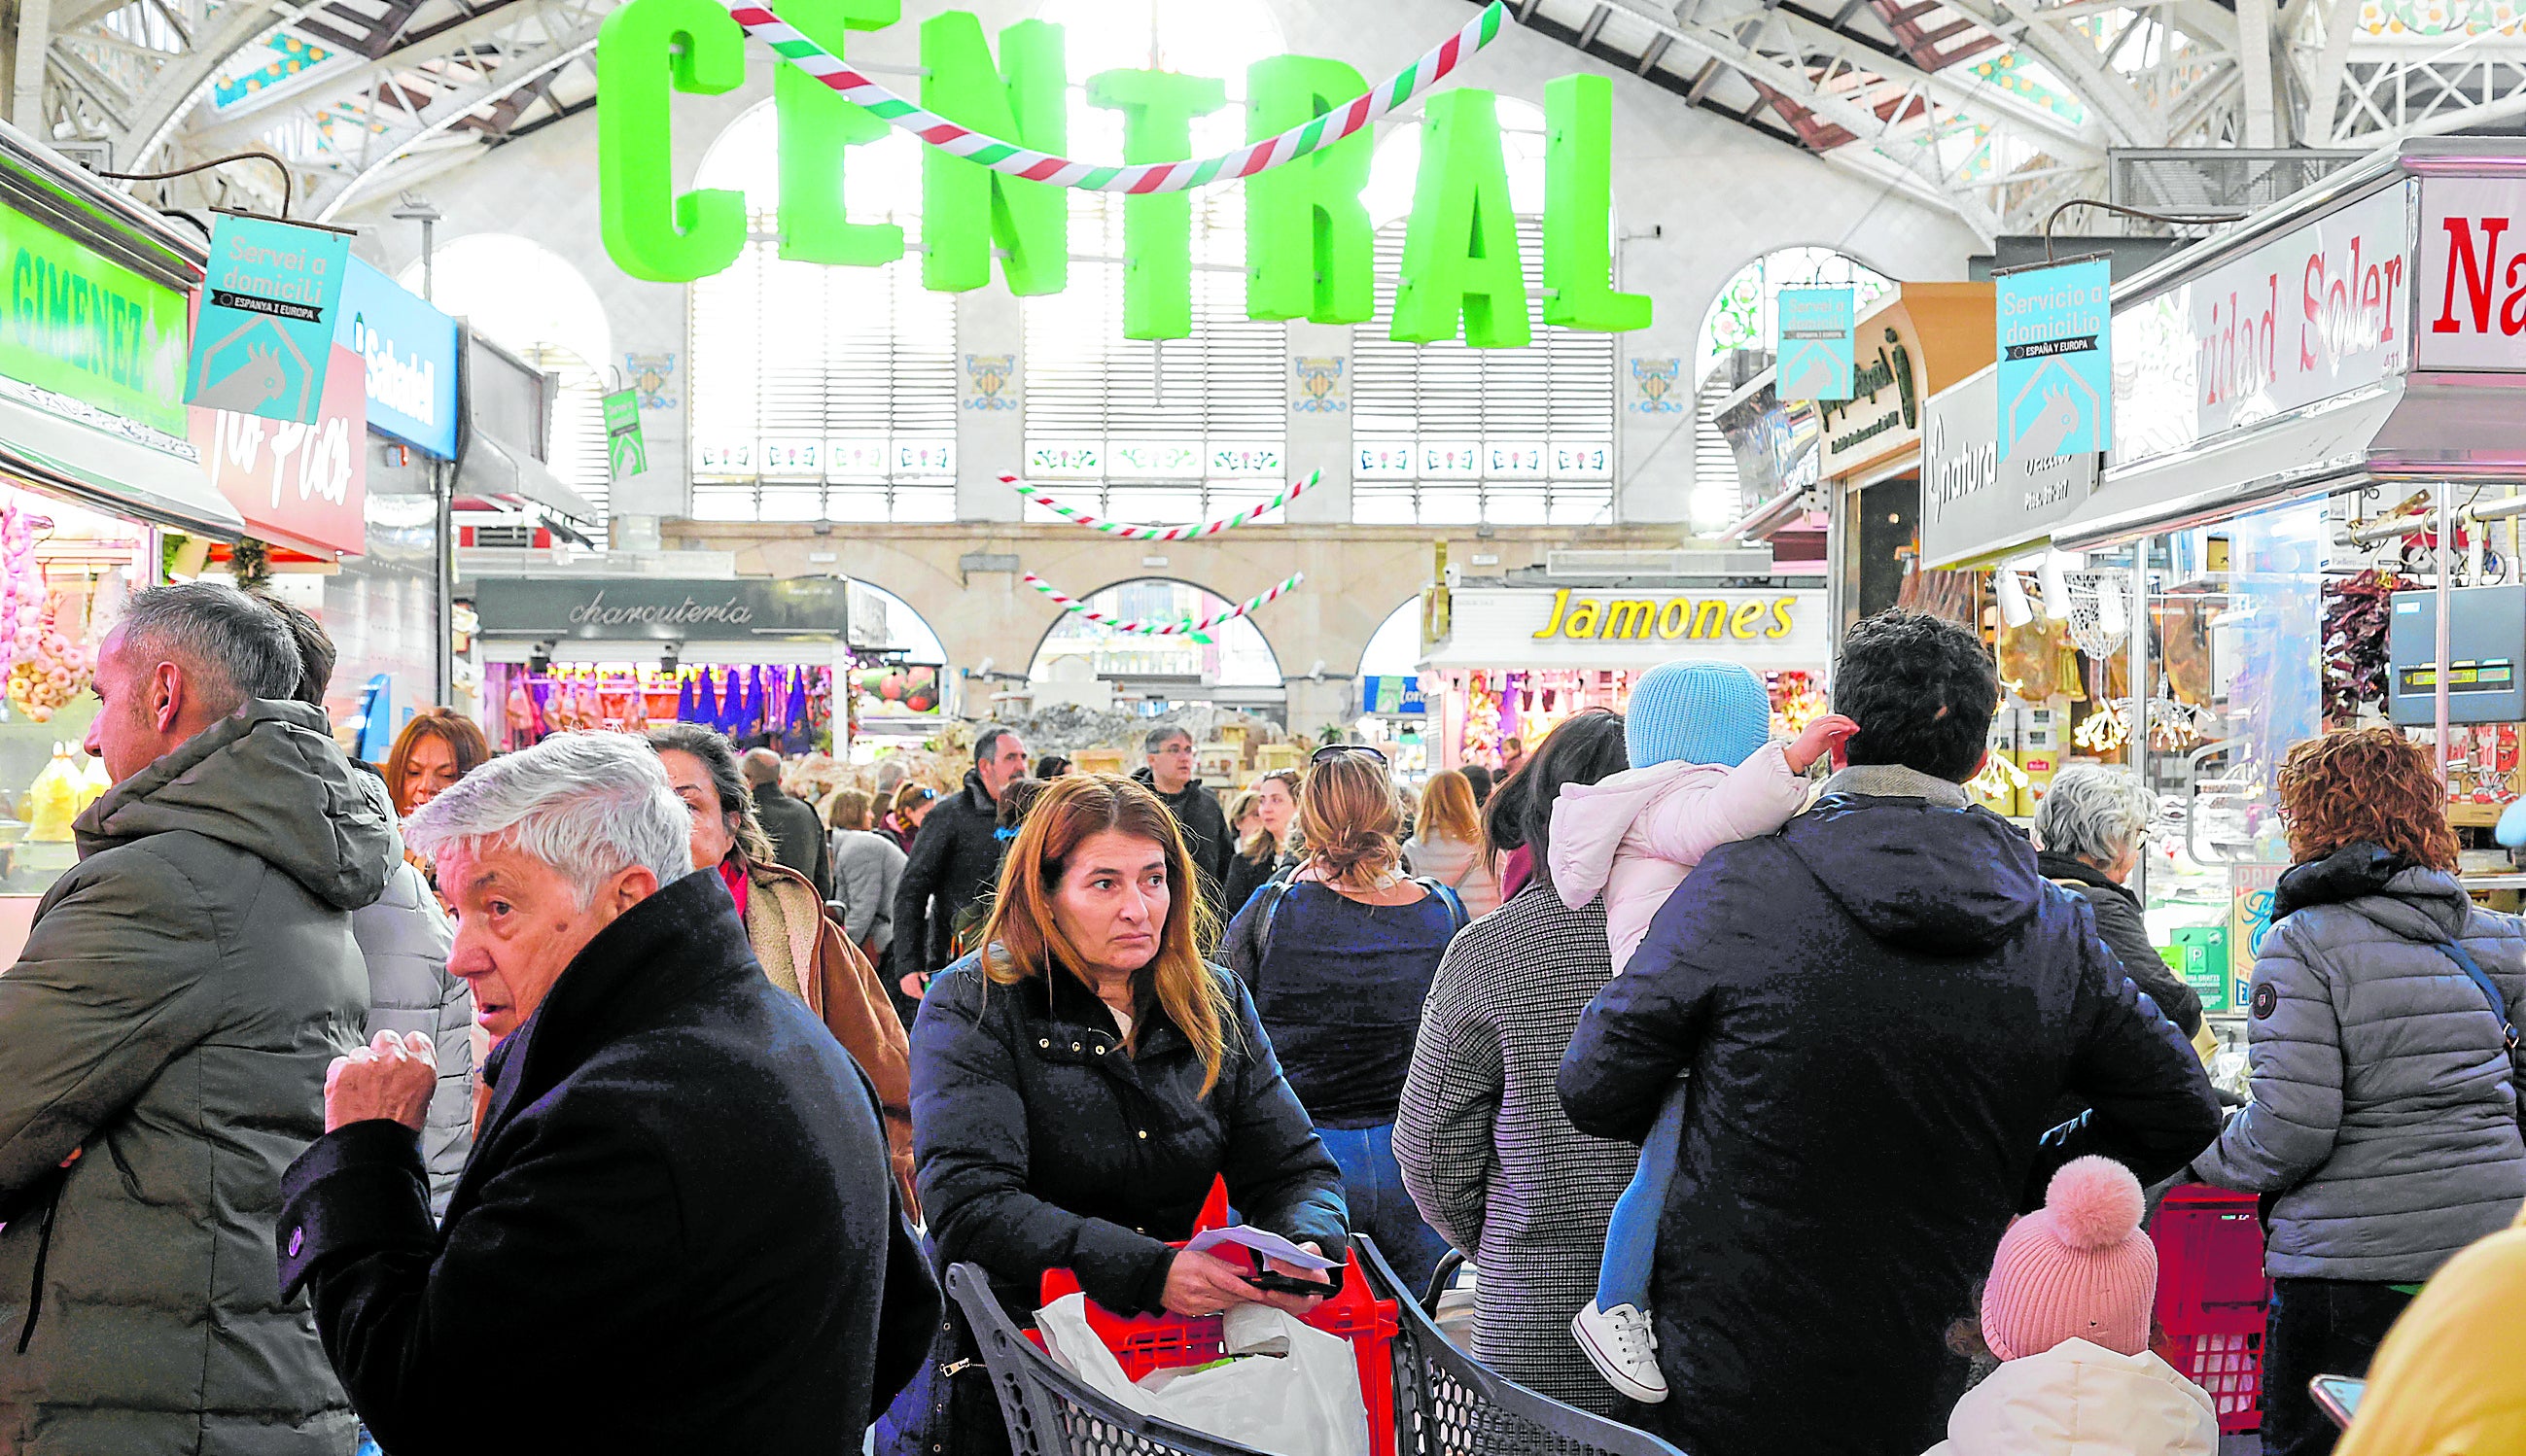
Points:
[2319,450]
[494,473]
[99,469]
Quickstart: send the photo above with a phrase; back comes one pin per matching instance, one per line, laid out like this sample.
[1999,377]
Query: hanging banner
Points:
[410,349]
[2057,364]
[627,454]
[1815,348]
[301,486]
[264,336]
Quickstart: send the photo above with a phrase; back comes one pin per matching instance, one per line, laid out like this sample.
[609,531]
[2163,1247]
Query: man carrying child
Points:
[1876,1008]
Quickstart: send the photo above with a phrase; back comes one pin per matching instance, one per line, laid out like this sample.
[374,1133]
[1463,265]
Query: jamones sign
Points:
[1309,244]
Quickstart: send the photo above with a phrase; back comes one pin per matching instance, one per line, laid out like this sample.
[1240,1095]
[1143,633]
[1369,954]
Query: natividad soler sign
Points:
[1309,242]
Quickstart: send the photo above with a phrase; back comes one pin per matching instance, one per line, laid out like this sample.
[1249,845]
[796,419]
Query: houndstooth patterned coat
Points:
[1485,1148]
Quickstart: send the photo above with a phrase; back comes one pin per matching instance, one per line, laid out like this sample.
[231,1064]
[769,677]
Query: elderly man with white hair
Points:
[677,1231]
[2088,834]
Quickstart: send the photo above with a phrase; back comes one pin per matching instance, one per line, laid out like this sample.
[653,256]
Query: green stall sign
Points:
[79,325]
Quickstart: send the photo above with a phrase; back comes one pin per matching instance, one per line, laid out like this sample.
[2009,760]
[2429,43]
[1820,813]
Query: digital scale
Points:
[2486,647]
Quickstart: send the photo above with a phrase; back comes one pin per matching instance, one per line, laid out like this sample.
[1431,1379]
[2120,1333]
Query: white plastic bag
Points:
[1306,1403]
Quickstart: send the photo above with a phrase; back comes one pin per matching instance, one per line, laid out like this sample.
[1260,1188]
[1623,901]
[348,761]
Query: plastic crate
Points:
[2213,1300]
[1142,1343]
[2229,1368]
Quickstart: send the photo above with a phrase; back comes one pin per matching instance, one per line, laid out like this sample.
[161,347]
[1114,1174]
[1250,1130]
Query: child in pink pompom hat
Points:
[2067,1312]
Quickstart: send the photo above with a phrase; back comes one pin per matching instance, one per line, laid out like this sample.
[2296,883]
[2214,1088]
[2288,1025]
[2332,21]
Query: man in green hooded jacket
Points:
[163,1044]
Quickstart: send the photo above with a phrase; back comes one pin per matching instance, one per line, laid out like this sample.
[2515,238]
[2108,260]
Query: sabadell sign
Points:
[1310,245]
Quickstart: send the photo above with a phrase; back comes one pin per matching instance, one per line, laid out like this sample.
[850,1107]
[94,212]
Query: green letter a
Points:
[1460,256]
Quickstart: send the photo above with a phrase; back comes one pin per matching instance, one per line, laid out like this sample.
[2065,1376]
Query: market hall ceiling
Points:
[1994,110]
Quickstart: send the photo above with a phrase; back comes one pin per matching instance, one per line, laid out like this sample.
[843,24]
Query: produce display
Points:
[58,670]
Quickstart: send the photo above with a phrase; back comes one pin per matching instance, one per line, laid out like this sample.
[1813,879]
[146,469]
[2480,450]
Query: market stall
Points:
[756,658]
[2313,411]
[1920,339]
[1987,560]
[96,474]
[1516,661]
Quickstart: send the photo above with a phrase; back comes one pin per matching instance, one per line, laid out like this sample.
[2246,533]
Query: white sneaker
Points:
[1623,1348]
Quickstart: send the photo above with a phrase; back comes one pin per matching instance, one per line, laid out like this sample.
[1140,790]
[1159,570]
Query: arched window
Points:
[532,302]
[1236,657]
[1163,429]
[1394,648]
[1735,349]
[1447,434]
[821,393]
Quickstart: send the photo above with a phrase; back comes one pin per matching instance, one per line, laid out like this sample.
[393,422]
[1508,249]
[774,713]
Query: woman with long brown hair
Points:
[436,747]
[2383,1131]
[1079,1083]
[1340,957]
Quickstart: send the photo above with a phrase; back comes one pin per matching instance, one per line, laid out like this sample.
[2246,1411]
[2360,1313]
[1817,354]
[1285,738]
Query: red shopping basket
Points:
[2212,1297]
[1145,1342]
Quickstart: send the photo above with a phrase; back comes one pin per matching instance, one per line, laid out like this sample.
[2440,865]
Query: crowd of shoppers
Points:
[1648,1032]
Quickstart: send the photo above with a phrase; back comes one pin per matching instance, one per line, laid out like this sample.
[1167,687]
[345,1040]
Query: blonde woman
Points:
[1339,958]
[1263,846]
[1448,846]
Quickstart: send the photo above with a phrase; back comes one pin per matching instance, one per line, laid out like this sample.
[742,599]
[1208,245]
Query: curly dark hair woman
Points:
[2383,1121]
[2365,786]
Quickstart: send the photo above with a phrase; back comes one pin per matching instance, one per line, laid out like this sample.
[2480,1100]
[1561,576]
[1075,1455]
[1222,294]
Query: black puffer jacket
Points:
[1043,1144]
[954,862]
[680,1202]
[1876,1007]
[2120,925]
[1206,834]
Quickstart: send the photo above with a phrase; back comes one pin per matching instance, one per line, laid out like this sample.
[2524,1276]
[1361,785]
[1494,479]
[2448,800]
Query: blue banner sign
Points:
[1391,694]
[411,352]
[265,332]
[1815,348]
[2057,364]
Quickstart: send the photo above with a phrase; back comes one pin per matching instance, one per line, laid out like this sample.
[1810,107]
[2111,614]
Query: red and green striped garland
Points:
[1145,177]
[1131,532]
[1187,627]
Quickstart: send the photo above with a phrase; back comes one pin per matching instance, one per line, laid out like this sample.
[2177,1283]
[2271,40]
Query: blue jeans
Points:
[1380,1208]
[1631,1239]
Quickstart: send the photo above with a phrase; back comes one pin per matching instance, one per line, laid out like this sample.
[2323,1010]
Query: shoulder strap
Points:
[1446,895]
[2490,991]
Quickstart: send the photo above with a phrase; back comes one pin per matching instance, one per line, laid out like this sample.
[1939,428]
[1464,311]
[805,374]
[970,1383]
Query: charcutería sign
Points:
[1310,244]
[687,613]
[640,608]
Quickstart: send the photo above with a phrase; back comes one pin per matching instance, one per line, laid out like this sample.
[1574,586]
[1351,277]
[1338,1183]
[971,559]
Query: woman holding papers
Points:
[1079,1083]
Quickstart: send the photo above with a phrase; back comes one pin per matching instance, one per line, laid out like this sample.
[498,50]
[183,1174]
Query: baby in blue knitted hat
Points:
[1704,770]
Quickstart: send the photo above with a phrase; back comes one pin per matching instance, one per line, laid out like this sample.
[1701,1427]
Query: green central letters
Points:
[1310,247]
[1460,255]
[1158,108]
[966,207]
[1310,252]
[816,125]
[643,50]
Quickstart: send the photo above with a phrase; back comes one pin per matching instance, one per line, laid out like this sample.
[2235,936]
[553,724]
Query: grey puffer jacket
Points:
[404,937]
[180,998]
[2385,1104]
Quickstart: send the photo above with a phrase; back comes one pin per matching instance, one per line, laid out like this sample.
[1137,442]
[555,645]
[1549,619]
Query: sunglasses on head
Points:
[1335,750]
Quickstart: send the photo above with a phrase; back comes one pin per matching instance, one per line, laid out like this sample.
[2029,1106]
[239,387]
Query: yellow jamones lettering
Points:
[1742,624]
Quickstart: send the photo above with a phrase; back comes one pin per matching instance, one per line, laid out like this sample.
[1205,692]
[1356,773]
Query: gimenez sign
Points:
[1310,245]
